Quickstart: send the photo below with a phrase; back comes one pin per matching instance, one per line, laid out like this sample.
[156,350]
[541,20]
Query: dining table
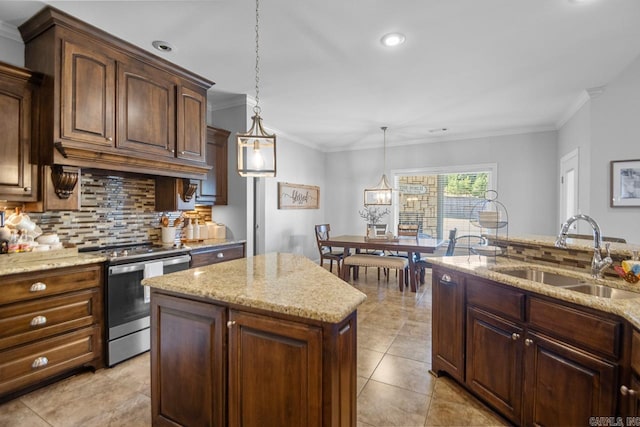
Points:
[411,245]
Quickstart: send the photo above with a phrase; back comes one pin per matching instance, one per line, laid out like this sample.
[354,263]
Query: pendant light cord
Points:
[384,150]
[257,109]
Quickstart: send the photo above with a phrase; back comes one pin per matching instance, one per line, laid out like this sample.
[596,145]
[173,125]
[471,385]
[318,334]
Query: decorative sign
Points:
[298,196]
[412,189]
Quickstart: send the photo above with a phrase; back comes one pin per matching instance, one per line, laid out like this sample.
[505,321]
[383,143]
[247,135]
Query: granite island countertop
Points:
[489,268]
[277,282]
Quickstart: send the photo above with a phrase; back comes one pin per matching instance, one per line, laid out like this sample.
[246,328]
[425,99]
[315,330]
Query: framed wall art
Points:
[298,196]
[625,183]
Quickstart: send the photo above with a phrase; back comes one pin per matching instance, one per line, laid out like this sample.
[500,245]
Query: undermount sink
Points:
[541,276]
[568,282]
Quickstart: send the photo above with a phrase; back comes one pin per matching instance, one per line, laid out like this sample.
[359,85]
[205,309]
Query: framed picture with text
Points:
[298,196]
[625,183]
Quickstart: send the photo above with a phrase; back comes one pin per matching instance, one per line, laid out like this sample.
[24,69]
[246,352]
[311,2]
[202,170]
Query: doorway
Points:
[569,184]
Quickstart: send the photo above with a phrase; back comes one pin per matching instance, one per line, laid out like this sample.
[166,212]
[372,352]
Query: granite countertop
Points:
[47,264]
[277,282]
[489,268]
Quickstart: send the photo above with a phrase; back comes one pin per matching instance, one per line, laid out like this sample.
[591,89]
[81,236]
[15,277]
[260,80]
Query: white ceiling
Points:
[476,67]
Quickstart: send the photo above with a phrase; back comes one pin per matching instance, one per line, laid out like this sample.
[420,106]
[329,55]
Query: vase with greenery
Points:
[373,215]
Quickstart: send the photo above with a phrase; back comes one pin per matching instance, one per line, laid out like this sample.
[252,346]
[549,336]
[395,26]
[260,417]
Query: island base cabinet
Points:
[448,324]
[215,365]
[495,342]
[274,372]
[564,385]
[187,362]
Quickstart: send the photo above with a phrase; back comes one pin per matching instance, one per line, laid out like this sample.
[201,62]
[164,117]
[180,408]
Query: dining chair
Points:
[354,262]
[423,263]
[327,252]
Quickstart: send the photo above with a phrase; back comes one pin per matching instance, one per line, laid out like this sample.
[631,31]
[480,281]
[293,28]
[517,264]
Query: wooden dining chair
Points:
[327,252]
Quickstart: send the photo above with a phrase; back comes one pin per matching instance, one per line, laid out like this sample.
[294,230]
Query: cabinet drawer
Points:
[31,320]
[582,328]
[27,286]
[214,256]
[496,299]
[26,365]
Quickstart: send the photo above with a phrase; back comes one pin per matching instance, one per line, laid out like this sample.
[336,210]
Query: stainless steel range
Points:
[126,300]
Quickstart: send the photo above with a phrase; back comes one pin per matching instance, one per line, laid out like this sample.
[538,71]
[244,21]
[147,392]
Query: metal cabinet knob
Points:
[37,287]
[220,255]
[626,391]
[182,152]
[40,362]
[528,342]
[445,278]
[38,321]
[109,139]
[515,336]
[230,323]
[27,189]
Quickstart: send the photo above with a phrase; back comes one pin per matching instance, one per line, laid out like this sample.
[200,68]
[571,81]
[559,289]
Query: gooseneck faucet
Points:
[598,264]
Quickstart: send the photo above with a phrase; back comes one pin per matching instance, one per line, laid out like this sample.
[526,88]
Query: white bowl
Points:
[56,246]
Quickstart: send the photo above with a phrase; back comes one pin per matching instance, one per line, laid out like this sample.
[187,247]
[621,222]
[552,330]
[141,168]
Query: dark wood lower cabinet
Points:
[274,372]
[448,324]
[188,368]
[538,361]
[215,365]
[565,386]
[494,368]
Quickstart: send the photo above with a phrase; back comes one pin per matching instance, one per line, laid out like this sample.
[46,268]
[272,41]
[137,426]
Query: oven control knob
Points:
[114,254]
[125,252]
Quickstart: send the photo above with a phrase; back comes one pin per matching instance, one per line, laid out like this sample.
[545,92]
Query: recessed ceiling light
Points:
[162,46]
[392,39]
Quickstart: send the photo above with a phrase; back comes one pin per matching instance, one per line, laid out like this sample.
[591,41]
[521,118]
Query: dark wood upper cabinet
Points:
[213,190]
[146,110]
[107,104]
[88,95]
[192,118]
[17,173]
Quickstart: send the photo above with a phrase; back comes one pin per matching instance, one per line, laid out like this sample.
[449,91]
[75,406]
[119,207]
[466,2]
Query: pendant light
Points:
[381,193]
[256,148]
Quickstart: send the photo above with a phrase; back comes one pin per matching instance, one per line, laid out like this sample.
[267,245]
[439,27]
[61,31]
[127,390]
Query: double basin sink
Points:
[567,282]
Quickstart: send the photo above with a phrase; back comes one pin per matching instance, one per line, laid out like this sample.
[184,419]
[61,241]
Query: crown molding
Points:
[10,32]
[575,106]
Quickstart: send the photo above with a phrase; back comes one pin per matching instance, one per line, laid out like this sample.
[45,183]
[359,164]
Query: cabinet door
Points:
[146,110]
[87,95]
[16,172]
[275,372]
[565,386]
[192,124]
[188,362]
[448,324]
[632,395]
[214,188]
[494,361]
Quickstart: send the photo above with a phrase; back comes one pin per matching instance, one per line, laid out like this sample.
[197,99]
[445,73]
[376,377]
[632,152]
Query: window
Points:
[438,200]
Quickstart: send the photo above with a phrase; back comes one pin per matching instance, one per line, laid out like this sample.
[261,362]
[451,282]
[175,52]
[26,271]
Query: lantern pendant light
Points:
[256,148]
[381,193]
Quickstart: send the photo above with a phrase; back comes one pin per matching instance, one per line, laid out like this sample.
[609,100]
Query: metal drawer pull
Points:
[230,323]
[515,336]
[37,287]
[528,342]
[40,362]
[624,390]
[38,320]
[445,278]
[220,255]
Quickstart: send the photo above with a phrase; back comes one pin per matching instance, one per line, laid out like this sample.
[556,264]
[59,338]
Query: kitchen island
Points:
[265,340]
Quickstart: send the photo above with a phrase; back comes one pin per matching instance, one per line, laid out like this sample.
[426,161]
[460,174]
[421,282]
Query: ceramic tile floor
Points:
[394,386]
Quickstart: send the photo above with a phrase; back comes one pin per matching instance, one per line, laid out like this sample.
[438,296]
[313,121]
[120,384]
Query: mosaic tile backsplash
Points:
[114,210]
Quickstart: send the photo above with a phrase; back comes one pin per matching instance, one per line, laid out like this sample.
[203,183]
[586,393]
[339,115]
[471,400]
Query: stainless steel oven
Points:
[127,301]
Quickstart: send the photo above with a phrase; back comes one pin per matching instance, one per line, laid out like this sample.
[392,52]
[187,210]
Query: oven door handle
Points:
[139,266]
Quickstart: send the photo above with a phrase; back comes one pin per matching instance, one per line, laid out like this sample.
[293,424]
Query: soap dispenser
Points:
[189,229]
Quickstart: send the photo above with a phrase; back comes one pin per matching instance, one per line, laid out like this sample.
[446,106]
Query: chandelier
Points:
[256,148]
[381,193]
